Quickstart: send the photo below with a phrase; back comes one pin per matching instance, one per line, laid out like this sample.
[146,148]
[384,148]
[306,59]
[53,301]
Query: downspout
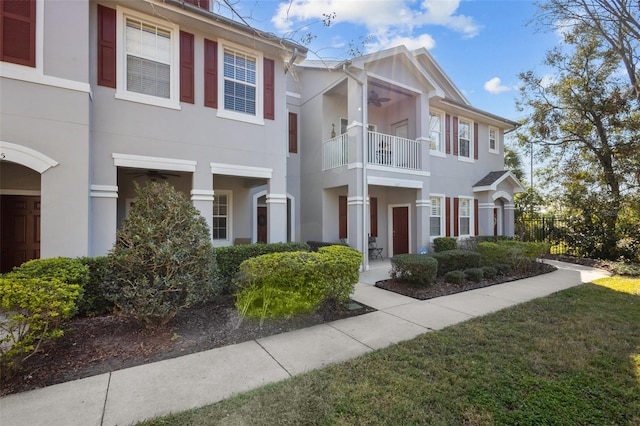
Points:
[294,56]
[365,148]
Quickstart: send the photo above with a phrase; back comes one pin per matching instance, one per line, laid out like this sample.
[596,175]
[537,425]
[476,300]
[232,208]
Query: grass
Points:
[572,358]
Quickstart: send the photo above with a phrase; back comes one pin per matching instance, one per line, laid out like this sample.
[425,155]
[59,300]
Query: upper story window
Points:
[493,139]
[147,60]
[465,216]
[464,138]
[18,23]
[240,83]
[435,220]
[436,126]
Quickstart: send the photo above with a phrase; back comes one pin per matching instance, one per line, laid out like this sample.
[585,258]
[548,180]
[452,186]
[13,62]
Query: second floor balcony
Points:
[383,150]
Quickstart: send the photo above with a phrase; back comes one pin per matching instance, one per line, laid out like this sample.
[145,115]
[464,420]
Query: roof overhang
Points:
[472,112]
[508,176]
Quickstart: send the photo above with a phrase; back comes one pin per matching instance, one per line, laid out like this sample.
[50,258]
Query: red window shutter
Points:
[456,217]
[476,221]
[106,46]
[447,215]
[204,4]
[342,216]
[210,74]
[186,68]
[293,132]
[456,142]
[475,141]
[18,31]
[447,131]
[269,89]
[373,215]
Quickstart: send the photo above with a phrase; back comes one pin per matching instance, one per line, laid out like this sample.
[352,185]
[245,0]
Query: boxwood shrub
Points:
[454,277]
[444,244]
[229,258]
[93,301]
[452,260]
[489,272]
[474,274]
[415,269]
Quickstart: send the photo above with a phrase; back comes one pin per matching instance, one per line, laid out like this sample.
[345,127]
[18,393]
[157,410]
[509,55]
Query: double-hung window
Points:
[436,126]
[493,140]
[435,219]
[221,225]
[147,60]
[240,83]
[465,216]
[464,138]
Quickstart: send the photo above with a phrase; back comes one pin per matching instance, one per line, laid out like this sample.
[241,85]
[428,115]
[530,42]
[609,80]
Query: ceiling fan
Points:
[375,99]
[153,175]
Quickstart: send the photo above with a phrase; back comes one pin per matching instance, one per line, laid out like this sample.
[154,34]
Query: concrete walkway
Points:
[126,396]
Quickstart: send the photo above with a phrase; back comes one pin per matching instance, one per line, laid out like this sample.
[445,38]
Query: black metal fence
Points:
[551,229]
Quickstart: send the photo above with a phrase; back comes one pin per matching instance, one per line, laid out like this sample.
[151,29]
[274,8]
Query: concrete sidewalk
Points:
[126,396]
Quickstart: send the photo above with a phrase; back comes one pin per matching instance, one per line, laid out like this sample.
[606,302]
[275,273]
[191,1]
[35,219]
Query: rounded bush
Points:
[453,260]
[474,274]
[454,277]
[503,269]
[93,301]
[444,244]
[489,272]
[162,260]
[415,269]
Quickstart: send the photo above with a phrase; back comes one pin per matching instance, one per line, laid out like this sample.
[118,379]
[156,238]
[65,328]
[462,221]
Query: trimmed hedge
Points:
[521,256]
[315,245]
[489,272]
[64,269]
[416,269]
[93,302]
[453,260]
[454,277]
[474,274]
[229,258]
[444,244]
[289,283]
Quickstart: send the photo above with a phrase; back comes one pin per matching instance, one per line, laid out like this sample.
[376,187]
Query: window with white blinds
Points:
[465,216]
[436,142]
[240,83]
[435,220]
[148,59]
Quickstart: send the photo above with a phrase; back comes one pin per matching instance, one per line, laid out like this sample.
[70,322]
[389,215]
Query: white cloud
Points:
[389,21]
[547,80]
[495,86]
[412,43]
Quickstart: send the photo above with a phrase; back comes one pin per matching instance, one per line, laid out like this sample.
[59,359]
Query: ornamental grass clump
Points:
[162,260]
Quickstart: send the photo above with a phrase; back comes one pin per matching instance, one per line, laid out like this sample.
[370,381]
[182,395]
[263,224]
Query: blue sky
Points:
[481,44]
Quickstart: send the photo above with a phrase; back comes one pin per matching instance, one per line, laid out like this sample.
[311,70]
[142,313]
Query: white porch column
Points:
[423,212]
[509,219]
[104,218]
[277,218]
[485,219]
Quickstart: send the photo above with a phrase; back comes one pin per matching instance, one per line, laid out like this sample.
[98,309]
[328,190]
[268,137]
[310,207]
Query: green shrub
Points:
[444,244]
[454,277]
[93,301]
[315,245]
[34,309]
[489,272]
[521,256]
[67,270]
[289,283]
[503,268]
[456,260]
[471,243]
[492,254]
[474,274]
[630,269]
[163,259]
[229,258]
[415,269]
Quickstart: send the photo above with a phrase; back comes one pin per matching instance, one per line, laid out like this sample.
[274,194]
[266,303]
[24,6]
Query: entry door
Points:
[400,230]
[262,224]
[20,230]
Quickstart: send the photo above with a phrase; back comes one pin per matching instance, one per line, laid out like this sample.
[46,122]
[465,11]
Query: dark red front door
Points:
[20,230]
[262,224]
[400,230]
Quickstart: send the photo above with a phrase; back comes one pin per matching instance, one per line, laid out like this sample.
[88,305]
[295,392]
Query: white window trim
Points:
[471,218]
[497,149]
[443,207]
[229,239]
[471,135]
[121,82]
[438,152]
[234,115]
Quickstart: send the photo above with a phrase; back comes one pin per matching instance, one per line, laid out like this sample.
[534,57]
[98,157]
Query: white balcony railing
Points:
[335,152]
[393,151]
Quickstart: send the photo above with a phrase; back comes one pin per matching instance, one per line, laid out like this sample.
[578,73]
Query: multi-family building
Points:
[97,95]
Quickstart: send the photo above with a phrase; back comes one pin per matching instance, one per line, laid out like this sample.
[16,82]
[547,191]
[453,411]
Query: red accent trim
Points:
[475,217]
[18,32]
[106,46]
[186,68]
[447,215]
[456,141]
[269,89]
[447,131]
[475,141]
[210,74]
[293,132]
[456,217]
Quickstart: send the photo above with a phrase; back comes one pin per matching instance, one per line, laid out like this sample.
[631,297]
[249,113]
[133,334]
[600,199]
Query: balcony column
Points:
[356,122]
[356,215]
[422,130]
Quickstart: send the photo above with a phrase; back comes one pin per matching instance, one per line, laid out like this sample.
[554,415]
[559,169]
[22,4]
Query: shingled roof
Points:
[491,181]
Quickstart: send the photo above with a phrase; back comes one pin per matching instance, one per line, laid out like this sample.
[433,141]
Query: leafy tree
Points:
[513,162]
[163,260]
[586,129]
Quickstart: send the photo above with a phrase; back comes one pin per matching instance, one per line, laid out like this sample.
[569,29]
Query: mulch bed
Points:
[441,288]
[97,345]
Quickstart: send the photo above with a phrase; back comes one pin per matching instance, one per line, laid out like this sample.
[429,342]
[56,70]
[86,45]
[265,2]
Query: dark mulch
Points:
[441,288]
[97,345]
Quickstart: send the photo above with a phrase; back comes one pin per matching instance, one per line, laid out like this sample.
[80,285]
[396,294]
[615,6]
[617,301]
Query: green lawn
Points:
[569,359]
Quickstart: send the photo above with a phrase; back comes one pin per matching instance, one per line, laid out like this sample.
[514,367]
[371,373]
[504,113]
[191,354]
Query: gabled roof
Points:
[424,58]
[491,181]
